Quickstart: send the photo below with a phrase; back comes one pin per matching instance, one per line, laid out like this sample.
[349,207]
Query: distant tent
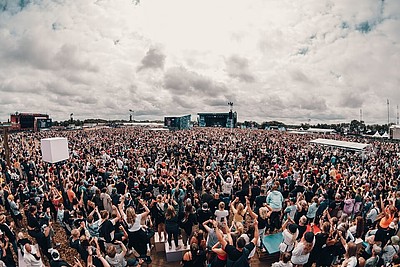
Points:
[385,135]
[377,135]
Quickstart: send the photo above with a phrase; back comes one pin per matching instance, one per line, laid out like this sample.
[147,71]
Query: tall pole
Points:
[388,107]
[361,118]
[398,115]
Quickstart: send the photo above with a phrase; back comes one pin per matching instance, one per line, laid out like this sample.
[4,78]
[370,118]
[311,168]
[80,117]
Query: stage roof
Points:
[340,144]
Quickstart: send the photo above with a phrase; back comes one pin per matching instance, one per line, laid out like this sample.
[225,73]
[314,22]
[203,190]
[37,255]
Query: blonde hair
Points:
[239,228]
[263,212]
[221,205]
[240,209]
[75,233]
[21,235]
[130,215]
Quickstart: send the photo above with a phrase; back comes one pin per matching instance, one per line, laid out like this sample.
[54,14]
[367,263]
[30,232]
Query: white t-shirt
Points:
[117,261]
[352,262]
[136,226]
[298,256]
[30,259]
[219,214]
[289,239]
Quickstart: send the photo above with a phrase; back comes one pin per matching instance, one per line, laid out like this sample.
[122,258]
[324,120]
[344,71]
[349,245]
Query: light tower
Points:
[230,104]
[131,115]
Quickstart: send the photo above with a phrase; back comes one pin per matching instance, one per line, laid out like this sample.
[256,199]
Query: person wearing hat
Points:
[391,249]
[203,214]
[55,260]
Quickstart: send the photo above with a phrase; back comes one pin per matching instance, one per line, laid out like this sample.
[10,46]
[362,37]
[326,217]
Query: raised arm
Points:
[234,210]
[228,235]
[205,225]
[220,236]
[147,211]
[123,248]
[216,249]
[256,233]
[250,210]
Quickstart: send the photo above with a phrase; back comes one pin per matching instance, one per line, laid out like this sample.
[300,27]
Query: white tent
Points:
[377,135]
[385,135]
[341,144]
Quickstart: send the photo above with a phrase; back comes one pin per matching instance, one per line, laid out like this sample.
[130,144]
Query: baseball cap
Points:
[55,255]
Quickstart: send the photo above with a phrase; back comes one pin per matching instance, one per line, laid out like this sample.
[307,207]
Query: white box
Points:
[160,246]
[54,149]
[174,254]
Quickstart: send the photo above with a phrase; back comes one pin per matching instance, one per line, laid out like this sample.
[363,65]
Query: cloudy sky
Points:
[276,60]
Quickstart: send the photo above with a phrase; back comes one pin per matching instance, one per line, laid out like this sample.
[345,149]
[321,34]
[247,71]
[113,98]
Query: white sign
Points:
[54,149]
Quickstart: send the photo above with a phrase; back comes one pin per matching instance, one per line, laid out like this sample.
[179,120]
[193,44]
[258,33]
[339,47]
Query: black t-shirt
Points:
[320,241]
[234,254]
[214,204]
[260,200]
[59,263]
[302,230]
[120,188]
[298,215]
[255,191]
[106,228]
[203,215]
[33,222]
[262,223]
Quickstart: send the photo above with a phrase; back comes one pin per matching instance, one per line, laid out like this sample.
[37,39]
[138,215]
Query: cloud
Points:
[286,60]
[238,67]
[181,81]
[352,100]
[154,59]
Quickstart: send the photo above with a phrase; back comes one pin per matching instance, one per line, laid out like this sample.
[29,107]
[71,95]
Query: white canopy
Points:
[377,135]
[340,144]
[385,135]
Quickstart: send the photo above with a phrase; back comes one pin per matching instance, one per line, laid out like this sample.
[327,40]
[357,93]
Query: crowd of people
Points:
[220,191]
